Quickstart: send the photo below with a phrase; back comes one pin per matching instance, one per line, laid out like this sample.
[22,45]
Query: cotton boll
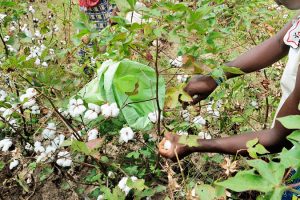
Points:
[5,144]
[37,62]
[31,9]
[100,197]
[3,95]
[7,112]
[167,145]
[35,110]
[178,62]
[49,131]
[44,64]
[204,135]
[31,102]
[126,134]
[182,78]
[41,158]
[185,115]
[90,115]
[50,149]
[28,147]
[93,134]
[199,120]
[38,148]
[153,117]
[6,38]
[114,110]
[76,107]
[181,132]
[58,140]
[123,184]
[13,164]
[64,159]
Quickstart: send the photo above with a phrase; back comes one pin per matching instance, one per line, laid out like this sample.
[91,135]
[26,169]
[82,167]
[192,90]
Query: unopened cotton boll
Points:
[204,135]
[126,134]
[13,164]
[199,120]
[167,145]
[5,144]
[93,134]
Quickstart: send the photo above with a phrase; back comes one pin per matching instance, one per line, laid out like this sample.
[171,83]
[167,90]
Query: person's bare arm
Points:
[273,139]
[259,57]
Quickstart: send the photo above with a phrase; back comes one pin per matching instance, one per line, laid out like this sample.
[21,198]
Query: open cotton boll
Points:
[31,102]
[7,112]
[64,159]
[114,110]
[182,78]
[50,149]
[167,145]
[185,115]
[35,110]
[181,132]
[28,147]
[58,140]
[31,92]
[204,135]
[123,184]
[199,120]
[110,110]
[93,134]
[177,62]
[3,95]
[153,117]
[13,164]
[38,148]
[126,134]
[100,197]
[76,107]
[93,111]
[49,131]
[41,158]
[5,144]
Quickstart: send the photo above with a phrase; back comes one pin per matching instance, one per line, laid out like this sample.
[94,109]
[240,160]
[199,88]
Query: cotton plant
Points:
[76,107]
[93,112]
[126,134]
[5,144]
[123,184]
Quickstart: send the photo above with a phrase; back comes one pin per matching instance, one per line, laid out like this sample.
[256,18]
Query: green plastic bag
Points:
[131,85]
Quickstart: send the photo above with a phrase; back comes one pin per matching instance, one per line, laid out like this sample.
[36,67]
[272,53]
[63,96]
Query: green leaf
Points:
[254,182]
[232,70]
[189,140]
[207,192]
[272,172]
[290,122]
[7,4]
[260,149]
[80,147]
[32,166]
[46,172]
[137,184]
[252,143]
[2,165]
[294,136]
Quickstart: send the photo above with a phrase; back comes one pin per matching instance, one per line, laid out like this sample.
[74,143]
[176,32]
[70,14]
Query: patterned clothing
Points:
[288,195]
[99,14]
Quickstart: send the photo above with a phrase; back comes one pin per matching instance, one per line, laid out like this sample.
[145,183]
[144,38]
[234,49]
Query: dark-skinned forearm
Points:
[263,55]
[273,139]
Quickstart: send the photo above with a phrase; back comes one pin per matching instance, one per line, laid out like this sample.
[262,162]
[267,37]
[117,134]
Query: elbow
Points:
[278,140]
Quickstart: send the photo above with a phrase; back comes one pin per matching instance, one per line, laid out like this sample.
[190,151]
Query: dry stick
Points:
[4,44]
[266,99]
[181,169]
[134,102]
